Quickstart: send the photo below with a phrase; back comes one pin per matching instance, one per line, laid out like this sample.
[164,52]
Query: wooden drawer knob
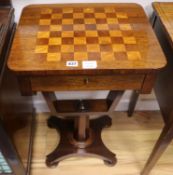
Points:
[86,80]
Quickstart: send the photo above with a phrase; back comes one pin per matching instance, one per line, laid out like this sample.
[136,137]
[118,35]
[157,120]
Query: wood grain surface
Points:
[130,138]
[116,36]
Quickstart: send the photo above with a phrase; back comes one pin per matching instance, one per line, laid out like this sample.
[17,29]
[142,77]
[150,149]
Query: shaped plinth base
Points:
[70,146]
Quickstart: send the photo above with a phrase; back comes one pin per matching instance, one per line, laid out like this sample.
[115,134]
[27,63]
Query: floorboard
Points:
[132,139]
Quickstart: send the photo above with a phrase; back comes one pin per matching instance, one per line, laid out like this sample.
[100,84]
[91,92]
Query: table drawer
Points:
[100,82]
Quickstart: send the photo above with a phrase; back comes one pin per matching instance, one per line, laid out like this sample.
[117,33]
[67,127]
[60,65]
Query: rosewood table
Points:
[163,26]
[84,47]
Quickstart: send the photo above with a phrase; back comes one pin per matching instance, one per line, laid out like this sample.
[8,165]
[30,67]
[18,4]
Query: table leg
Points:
[50,98]
[160,146]
[132,104]
[113,99]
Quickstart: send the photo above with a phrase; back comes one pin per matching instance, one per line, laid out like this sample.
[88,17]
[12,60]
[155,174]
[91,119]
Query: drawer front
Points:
[100,82]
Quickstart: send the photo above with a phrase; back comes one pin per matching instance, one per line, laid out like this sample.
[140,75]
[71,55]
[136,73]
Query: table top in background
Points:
[165,12]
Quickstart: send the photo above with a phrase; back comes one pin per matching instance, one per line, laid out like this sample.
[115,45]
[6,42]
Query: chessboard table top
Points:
[110,37]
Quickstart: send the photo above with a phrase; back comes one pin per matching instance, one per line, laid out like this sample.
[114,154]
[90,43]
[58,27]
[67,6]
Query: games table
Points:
[84,47]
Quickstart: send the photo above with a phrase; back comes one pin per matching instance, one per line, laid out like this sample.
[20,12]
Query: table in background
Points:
[163,26]
[15,110]
[112,46]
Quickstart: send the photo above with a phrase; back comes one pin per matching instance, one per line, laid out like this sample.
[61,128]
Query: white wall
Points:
[146,102]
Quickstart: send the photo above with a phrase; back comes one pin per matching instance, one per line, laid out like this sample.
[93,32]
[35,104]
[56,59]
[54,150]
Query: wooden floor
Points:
[132,139]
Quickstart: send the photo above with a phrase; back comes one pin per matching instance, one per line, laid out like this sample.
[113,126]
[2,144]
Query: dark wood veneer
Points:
[5,3]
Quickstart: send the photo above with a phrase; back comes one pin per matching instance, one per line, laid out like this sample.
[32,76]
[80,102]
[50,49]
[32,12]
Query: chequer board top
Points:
[116,36]
[165,12]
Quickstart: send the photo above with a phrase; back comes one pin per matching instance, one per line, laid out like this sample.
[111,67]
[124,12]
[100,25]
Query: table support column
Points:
[81,128]
[80,136]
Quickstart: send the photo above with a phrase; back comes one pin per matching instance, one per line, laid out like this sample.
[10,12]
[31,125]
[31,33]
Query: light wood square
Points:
[112,21]
[79,40]
[67,48]
[100,15]
[53,57]
[67,21]
[90,21]
[125,27]
[55,41]
[67,10]
[56,16]
[121,15]
[46,11]
[104,40]
[129,40]
[134,55]
[115,33]
[93,48]
[67,34]
[45,22]
[78,15]
[41,49]
[43,34]
[102,27]
[80,56]
[107,56]
[119,48]
[88,10]
[91,33]
[79,27]
[55,28]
